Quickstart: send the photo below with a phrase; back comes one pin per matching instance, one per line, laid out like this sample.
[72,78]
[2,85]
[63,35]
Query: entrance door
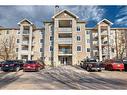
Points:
[65,60]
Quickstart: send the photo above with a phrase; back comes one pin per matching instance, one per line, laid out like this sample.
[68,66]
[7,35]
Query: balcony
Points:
[65,30]
[25,42]
[27,52]
[24,51]
[65,40]
[65,51]
[102,44]
[26,32]
[103,54]
[95,36]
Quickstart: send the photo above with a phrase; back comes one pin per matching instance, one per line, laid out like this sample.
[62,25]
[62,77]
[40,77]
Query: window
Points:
[18,32]
[112,50]
[88,40]
[41,32]
[78,38]
[51,38]
[51,28]
[88,49]
[41,50]
[78,28]
[65,23]
[87,32]
[41,40]
[51,48]
[16,49]
[7,32]
[78,48]
[17,40]
[112,41]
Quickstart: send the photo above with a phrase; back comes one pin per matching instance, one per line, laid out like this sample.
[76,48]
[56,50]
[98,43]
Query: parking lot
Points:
[63,77]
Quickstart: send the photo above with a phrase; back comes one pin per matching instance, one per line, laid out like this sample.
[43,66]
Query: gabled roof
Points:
[67,11]
[25,20]
[105,20]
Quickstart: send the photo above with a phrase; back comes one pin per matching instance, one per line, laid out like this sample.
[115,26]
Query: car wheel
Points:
[17,69]
[99,70]
[88,69]
[38,69]
[5,70]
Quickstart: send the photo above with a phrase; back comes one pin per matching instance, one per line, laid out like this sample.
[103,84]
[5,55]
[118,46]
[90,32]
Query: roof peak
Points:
[24,20]
[65,10]
[106,21]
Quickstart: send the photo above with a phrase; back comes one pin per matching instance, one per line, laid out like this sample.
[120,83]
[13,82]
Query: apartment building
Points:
[66,40]
[28,40]
[72,42]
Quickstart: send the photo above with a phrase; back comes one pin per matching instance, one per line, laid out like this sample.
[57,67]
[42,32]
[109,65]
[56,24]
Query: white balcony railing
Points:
[24,51]
[65,40]
[25,32]
[25,43]
[65,51]
[102,43]
[65,30]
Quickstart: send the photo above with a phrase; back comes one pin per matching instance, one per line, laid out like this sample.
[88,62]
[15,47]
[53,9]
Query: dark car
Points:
[12,65]
[114,64]
[125,64]
[0,64]
[33,66]
[91,65]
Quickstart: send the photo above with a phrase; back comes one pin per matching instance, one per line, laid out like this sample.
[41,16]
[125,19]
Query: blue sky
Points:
[11,15]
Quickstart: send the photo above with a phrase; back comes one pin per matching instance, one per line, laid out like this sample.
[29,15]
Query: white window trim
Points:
[87,51]
[40,50]
[79,28]
[16,49]
[88,31]
[81,48]
[80,38]
[17,40]
[40,41]
[87,41]
[18,32]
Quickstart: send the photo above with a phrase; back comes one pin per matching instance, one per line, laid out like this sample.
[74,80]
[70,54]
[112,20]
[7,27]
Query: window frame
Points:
[80,48]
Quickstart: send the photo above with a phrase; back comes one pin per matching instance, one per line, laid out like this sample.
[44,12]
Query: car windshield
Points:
[8,62]
[92,61]
[125,61]
[118,61]
[30,62]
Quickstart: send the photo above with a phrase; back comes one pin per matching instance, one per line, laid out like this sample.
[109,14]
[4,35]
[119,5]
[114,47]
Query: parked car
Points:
[0,64]
[33,66]
[114,65]
[91,64]
[125,64]
[12,65]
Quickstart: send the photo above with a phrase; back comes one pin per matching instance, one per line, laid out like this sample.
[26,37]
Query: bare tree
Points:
[121,46]
[7,48]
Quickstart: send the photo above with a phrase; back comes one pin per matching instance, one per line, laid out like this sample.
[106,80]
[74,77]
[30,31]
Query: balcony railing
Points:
[23,51]
[26,32]
[25,42]
[65,30]
[65,51]
[65,40]
[102,43]
[104,33]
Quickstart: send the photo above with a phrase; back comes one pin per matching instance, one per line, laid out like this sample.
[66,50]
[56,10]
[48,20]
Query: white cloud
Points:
[11,15]
[87,13]
[121,17]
